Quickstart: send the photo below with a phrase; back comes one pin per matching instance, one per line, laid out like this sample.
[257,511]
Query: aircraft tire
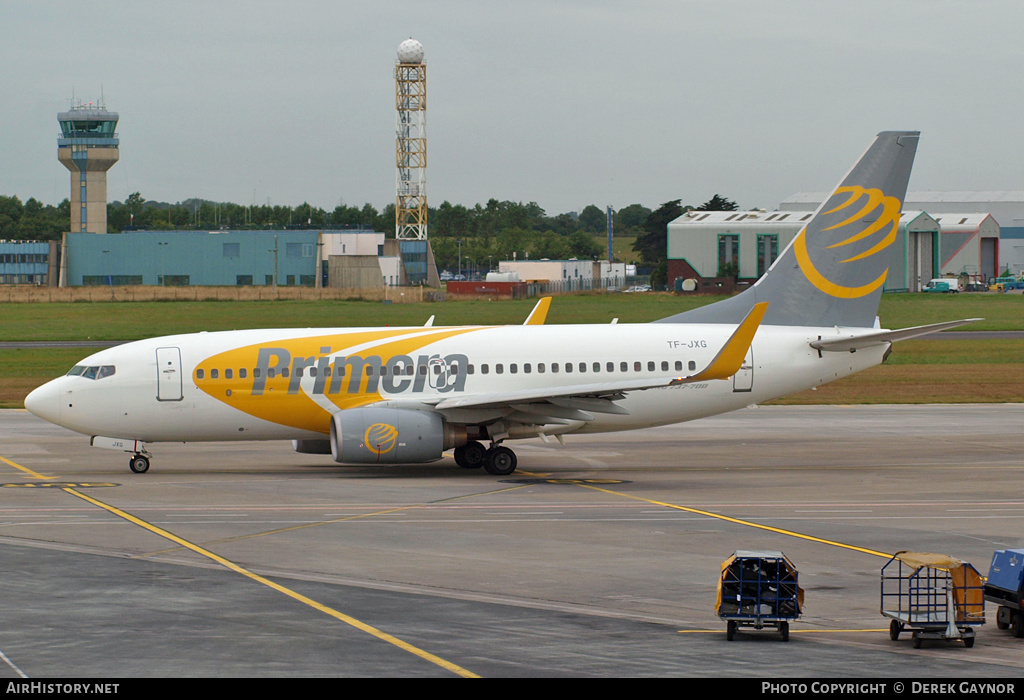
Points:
[730,630]
[501,461]
[139,464]
[472,455]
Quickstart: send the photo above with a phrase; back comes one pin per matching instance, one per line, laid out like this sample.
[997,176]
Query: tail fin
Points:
[832,273]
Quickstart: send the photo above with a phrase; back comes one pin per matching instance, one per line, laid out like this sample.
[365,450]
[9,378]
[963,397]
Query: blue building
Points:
[28,262]
[183,258]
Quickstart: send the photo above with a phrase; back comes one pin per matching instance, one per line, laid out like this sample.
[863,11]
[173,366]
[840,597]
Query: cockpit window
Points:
[95,372]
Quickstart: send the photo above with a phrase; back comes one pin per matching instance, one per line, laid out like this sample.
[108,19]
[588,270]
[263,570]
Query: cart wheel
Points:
[917,641]
[894,630]
[969,641]
[784,630]
[1018,624]
[1001,616]
[730,630]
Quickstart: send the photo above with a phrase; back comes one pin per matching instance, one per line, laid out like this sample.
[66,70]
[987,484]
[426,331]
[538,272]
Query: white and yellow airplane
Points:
[406,395]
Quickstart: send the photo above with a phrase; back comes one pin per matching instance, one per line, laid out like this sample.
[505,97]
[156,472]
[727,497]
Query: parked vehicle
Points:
[1005,587]
[942,286]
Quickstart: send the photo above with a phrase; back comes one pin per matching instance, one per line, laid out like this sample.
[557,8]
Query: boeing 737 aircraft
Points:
[405,395]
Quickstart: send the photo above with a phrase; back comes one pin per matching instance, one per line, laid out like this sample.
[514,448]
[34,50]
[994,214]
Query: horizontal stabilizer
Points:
[856,342]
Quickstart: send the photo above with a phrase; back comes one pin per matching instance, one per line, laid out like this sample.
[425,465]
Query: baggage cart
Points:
[936,596]
[1005,587]
[758,589]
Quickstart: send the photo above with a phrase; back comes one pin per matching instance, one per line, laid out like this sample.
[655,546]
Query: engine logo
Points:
[380,438]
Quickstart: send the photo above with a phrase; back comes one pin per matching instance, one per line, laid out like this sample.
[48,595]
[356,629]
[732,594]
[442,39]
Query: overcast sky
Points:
[565,103]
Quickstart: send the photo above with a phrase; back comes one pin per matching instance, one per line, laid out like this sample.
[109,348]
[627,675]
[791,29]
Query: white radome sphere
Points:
[410,51]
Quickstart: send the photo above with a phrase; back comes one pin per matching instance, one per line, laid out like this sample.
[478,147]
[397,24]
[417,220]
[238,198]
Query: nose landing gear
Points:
[139,463]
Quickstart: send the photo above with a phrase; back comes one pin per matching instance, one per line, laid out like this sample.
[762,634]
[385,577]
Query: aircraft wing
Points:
[539,313]
[573,401]
[856,342]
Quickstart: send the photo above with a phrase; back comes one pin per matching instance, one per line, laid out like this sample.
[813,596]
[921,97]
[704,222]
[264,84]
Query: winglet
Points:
[429,323]
[539,313]
[730,358]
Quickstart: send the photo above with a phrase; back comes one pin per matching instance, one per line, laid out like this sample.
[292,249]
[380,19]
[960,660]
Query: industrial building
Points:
[308,258]
[713,248]
[28,262]
[1006,208]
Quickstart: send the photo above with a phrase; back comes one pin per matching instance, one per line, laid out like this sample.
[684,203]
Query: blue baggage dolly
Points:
[758,589]
[1005,587]
[936,596]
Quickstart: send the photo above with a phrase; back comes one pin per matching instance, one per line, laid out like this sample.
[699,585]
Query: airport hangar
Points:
[702,245]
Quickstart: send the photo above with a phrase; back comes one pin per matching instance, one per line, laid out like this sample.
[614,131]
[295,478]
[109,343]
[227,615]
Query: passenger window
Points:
[513,368]
[568,367]
[623,366]
[228,374]
[650,366]
[540,368]
[554,367]
[484,369]
[214,374]
[243,373]
[679,365]
[583,367]
[200,373]
[470,369]
[527,367]
[257,372]
[693,365]
[499,368]
[636,366]
[610,367]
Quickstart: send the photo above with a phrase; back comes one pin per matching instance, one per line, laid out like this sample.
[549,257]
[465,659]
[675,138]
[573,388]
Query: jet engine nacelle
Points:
[391,436]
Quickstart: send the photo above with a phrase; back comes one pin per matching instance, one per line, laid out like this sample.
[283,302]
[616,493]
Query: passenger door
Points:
[168,374]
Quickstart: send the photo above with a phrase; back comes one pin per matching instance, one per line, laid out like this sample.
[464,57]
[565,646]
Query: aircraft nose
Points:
[45,401]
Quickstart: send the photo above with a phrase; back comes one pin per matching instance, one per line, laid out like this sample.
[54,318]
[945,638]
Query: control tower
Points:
[88,147]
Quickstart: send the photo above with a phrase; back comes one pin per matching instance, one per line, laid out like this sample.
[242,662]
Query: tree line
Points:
[481,234]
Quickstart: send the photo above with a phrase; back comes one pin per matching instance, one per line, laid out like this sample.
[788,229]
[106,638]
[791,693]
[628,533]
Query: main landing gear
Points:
[499,460]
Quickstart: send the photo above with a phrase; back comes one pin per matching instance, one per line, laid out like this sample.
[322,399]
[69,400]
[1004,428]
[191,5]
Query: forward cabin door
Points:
[168,374]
